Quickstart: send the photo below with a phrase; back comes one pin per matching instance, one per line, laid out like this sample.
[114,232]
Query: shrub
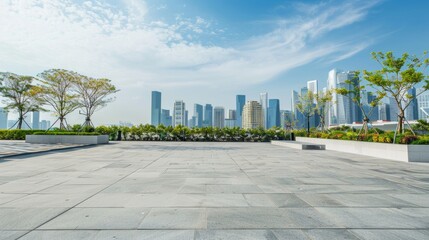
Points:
[15,134]
[67,133]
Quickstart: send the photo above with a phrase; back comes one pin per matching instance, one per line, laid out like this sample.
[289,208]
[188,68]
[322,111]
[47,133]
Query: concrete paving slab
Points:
[211,190]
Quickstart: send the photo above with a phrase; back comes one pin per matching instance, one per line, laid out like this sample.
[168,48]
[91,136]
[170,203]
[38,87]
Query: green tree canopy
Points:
[396,77]
[56,90]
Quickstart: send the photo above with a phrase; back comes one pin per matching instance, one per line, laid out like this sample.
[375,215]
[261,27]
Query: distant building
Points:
[412,111]
[239,104]
[166,119]
[12,123]
[219,117]
[393,109]
[179,117]
[264,104]
[273,113]
[3,118]
[232,114]
[423,104]
[26,123]
[367,98]
[186,118]
[36,120]
[156,108]
[253,115]
[304,91]
[384,112]
[198,114]
[286,117]
[230,123]
[343,110]
[44,124]
[192,122]
[208,115]
[312,86]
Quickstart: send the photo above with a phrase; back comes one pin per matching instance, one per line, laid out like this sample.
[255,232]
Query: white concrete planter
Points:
[70,139]
[398,152]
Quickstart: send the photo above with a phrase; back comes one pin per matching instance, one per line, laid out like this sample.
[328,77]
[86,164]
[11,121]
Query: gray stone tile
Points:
[146,234]
[330,234]
[26,218]
[421,200]
[4,197]
[98,218]
[45,201]
[370,218]
[175,218]
[391,234]
[11,235]
[290,234]
[235,235]
[62,234]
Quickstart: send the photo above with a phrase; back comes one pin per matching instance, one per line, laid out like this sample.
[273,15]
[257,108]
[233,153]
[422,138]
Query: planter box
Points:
[299,145]
[398,152]
[70,139]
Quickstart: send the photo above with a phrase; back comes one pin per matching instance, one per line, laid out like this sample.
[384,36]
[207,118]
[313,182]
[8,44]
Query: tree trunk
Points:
[62,126]
[308,126]
[20,120]
[401,117]
[365,125]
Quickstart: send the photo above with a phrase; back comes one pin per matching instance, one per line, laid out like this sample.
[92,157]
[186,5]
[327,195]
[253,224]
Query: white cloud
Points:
[96,39]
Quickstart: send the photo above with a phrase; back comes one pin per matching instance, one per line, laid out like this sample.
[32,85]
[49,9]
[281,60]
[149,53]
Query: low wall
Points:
[70,139]
[398,152]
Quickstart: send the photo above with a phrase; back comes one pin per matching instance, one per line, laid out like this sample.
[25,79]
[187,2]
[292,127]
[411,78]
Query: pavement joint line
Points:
[7,157]
[68,209]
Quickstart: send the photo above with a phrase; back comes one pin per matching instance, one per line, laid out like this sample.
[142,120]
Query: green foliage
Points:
[67,133]
[15,134]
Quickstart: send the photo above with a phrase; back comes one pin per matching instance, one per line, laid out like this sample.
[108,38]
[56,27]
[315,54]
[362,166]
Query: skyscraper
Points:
[343,110]
[264,103]
[253,116]
[44,125]
[423,104]
[232,114]
[179,113]
[312,86]
[166,119]
[3,118]
[384,112]
[393,109]
[412,111]
[219,117]
[186,118]
[274,113]
[285,117]
[198,113]
[240,100]
[208,115]
[156,108]
[36,120]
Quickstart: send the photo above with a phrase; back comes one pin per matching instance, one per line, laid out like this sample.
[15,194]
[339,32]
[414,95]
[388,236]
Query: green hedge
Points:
[15,134]
[67,133]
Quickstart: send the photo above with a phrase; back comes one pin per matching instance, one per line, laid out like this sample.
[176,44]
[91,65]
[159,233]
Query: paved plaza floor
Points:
[15,147]
[173,190]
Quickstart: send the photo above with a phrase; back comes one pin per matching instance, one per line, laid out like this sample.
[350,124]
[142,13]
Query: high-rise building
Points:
[412,111]
[232,114]
[240,100]
[343,110]
[166,119]
[423,104]
[192,122]
[44,125]
[304,91]
[156,108]
[36,120]
[366,99]
[179,117]
[26,123]
[253,115]
[208,115]
[186,118]
[264,103]
[198,114]
[384,112]
[219,117]
[273,113]
[3,118]
[312,86]
[393,109]
[230,123]
[286,117]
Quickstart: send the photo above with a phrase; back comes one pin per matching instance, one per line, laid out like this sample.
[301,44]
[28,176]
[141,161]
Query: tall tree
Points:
[323,101]
[396,77]
[93,95]
[20,95]
[354,93]
[307,107]
[57,90]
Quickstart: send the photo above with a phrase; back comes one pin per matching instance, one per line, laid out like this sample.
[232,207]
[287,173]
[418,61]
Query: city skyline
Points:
[194,50]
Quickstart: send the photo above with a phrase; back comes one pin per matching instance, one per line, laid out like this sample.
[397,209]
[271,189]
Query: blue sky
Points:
[204,51]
